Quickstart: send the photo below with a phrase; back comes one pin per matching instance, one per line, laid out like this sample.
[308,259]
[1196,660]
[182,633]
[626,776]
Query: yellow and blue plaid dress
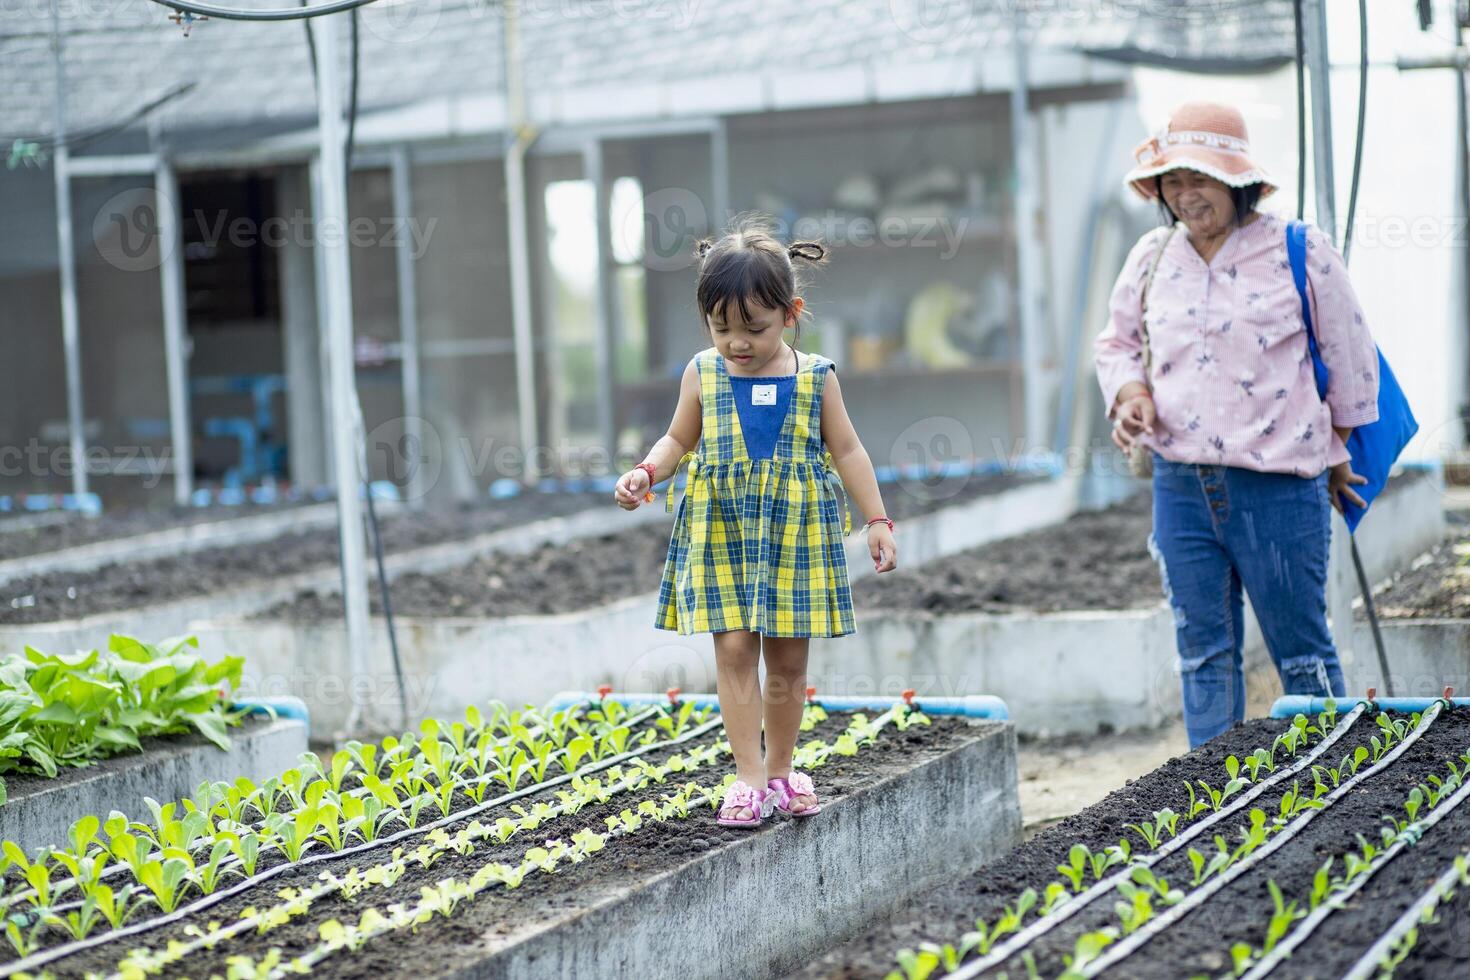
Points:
[757,543]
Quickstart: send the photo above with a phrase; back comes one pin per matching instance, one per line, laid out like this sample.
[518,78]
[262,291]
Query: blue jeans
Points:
[1216,529]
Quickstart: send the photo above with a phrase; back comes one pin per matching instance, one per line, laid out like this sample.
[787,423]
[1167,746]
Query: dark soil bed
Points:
[1200,942]
[448,945]
[948,912]
[1094,560]
[71,595]
[1436,585]
[565,576]
[34,538]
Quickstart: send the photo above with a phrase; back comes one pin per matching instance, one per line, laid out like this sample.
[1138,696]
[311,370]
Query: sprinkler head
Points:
[603,690]
[1449,692]
[908,697]
[1372,693]
[673,694]
[811,694]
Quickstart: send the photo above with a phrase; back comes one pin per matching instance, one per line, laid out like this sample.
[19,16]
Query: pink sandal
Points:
[788,789]
[741,796]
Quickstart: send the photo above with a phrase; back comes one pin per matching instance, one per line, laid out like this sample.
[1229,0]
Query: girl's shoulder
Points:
[816,363]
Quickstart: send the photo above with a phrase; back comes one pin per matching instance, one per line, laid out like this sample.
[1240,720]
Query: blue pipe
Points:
[282,706]
[1291,705]
[967,706]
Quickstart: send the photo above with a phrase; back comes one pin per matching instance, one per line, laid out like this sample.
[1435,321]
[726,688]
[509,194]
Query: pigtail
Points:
[813,252]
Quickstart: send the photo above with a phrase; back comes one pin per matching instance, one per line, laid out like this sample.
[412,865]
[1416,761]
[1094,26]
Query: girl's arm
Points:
[855,468]
[682,437]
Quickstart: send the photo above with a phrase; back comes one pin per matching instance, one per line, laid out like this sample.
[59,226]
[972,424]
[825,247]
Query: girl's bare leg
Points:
[737,680]
[785,694]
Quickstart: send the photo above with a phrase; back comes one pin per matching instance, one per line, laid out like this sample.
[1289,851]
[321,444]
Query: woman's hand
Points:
[1340,480]
[1134,415]
[883,548]
[632,489]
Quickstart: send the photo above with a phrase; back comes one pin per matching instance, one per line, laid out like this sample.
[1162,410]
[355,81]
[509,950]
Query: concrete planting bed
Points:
[40,810]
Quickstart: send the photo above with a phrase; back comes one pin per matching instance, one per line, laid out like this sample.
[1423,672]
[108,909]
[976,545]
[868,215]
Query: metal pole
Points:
[520,249]
[1025,217]
[595,172]
[332,241]
[1314,21]
[1340,560]
[408,328]
[66,264]
[171,280]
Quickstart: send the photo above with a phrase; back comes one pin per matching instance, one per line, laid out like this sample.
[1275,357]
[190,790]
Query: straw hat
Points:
[1204,136]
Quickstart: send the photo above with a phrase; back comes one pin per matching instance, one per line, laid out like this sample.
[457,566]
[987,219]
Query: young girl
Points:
[756,556]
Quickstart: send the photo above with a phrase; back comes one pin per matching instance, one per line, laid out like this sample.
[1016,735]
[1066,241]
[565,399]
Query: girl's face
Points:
[1201,202]
[753,346]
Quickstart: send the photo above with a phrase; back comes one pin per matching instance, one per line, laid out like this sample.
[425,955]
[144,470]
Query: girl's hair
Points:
[748,265]
[1244,198]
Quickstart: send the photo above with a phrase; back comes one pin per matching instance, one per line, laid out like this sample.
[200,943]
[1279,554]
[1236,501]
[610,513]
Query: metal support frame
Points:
[331,211]
[67,266]
[171,282]
[1032,328]
[521,137]
[595,171]
[399,168]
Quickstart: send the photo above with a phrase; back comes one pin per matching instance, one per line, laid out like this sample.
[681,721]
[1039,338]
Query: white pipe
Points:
[332,222]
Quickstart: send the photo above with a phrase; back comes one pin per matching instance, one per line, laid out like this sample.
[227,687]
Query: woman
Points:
[1247,458]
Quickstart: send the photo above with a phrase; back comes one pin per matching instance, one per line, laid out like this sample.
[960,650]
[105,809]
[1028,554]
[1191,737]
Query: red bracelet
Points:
[879,520]
[649,469]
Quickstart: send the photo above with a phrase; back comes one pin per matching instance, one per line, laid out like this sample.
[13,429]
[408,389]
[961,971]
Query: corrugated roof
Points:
[584,57]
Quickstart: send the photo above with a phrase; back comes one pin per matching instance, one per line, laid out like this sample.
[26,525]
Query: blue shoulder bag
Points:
[1375,446]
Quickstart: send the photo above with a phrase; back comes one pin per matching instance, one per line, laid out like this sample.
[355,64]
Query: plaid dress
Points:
[757,543]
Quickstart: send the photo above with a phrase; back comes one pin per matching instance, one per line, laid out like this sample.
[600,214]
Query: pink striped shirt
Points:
[1232,377]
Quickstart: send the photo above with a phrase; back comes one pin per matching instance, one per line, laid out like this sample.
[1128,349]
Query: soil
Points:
[564,576]
[1436,585]
[1200,942]
[453,944]
[1095,560]
[946,913]
[126,585]
[74,530]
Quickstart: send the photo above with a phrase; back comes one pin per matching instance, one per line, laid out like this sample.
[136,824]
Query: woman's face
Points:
[754,344]
[1201,202]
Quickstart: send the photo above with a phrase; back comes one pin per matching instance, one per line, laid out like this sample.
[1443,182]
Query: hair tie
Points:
[702,247]
[811,251]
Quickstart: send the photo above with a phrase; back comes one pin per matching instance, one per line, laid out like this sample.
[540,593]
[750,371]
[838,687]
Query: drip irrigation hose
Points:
[10,901]
[1334,902]
[1368,965]
[1119,951]
[1066,910]
[35,960]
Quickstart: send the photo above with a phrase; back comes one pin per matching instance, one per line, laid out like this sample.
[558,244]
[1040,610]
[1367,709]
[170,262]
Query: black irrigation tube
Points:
[1069,908]
[1367,966]
[201,847]
[1334,902]
[1130,944]
[43,957]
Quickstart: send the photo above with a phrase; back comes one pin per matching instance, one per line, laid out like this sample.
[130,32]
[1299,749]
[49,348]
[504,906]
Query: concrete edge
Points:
[733,912]
[166,773]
